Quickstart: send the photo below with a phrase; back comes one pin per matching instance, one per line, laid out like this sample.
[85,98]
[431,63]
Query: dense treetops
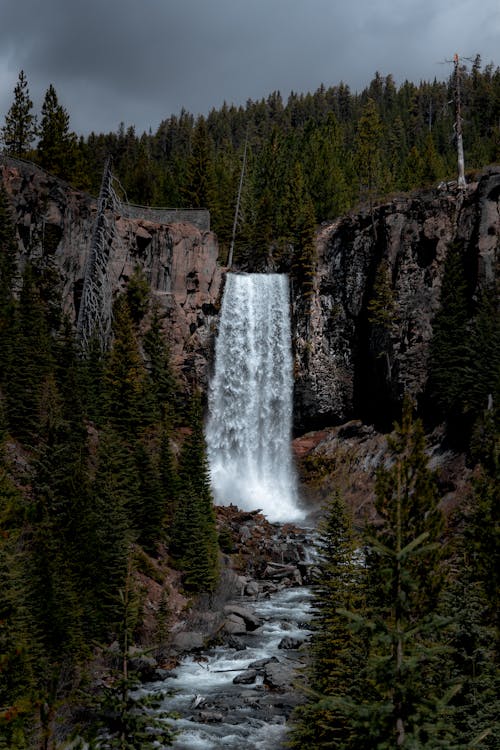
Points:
[350,147]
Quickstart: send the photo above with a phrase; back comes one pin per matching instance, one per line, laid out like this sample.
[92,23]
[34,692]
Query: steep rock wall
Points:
[54,226]
[345,365]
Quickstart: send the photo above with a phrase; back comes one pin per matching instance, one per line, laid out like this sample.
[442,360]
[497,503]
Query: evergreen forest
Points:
[103,473]
[308,159]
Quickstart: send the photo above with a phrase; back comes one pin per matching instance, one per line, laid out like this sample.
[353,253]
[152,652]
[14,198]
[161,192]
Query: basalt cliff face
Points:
[54,225]
[355,355]
[346,364]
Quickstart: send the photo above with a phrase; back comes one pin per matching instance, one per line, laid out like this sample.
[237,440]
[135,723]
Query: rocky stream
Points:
[238,689]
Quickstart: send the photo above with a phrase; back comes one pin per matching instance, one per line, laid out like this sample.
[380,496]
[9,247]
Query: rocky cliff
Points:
[349,363]
[366,337]
[54,226]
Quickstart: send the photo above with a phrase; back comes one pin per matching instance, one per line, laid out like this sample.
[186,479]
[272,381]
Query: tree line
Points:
[309,159]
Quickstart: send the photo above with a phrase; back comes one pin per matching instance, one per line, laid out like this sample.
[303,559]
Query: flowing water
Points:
[248,438]
[251,399]
[214,713]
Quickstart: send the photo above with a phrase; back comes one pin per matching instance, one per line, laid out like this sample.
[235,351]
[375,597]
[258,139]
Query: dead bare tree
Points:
[458,125]
[94,315]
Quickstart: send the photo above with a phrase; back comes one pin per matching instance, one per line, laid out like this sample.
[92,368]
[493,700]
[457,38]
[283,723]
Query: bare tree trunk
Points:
[237,211]
[458,126]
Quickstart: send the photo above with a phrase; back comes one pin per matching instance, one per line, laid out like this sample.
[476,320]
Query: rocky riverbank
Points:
[230,666]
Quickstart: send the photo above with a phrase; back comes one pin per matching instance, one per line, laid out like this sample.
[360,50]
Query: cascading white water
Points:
[250,399]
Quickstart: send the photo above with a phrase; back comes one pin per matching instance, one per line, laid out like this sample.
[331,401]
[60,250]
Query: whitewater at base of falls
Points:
[250,399]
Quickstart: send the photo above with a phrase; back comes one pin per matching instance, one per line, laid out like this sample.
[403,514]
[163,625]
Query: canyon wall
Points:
[346,365]
[353,358]
[54,225]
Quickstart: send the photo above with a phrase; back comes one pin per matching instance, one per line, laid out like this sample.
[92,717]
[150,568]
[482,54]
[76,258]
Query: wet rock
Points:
[251,621]
[278,676]
[210,717]
[259,664]
[290,643]
[247,677]
[235,625]
[252,588]
[232,641]
[188,640]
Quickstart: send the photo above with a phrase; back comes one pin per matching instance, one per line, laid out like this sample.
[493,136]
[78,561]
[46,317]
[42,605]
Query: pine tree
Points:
[30,362]
[57,145]
[125,380]
[8,273]
[199,191]
[106,534]
[482,367]
[19,130]
[406,703]
[337,653]
[125,720]
[399,697]
[194,537]
[368,157]
[161,378]
[16,668]
[302,228]
[448,356]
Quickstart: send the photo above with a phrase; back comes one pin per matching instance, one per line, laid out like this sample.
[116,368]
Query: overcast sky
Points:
[139,61]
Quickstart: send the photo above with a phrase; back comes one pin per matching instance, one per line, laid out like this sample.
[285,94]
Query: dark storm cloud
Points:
[138,61]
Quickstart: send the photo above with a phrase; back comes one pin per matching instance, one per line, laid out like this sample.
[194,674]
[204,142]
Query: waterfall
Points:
[250,399]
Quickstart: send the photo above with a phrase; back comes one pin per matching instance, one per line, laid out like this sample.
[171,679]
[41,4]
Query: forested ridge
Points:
[103,473]
[310,157]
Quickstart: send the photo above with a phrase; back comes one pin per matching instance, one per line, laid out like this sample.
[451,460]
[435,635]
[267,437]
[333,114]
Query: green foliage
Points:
[384,676]
[20,129]
[8,274]
[137,295]
[337,652]
[381,307]
[448,350]
[368,155]
[56,149]
[161,378]
[125,375]
[124,720]
[302,234]
[194,537]
[32,361]
[200,187]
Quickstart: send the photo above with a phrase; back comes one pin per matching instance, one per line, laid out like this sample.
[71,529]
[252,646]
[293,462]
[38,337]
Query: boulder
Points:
[247,677]
[278,677]
[235,625]
[188,640]
[252,588]
[252,622]
[290,643]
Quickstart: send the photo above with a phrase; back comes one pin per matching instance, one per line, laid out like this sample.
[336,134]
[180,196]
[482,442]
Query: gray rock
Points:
[252,588]
[290,643]
[188,640]
[278,677]
[210,717]
[235,625]
[246,678]
[261,663]
[251,621]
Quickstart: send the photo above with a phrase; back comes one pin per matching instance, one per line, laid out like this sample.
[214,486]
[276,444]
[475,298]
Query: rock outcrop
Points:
[345,364]
[54,226]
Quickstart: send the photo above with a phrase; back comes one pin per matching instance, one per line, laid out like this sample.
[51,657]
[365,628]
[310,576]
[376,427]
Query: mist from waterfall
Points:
[250,399]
